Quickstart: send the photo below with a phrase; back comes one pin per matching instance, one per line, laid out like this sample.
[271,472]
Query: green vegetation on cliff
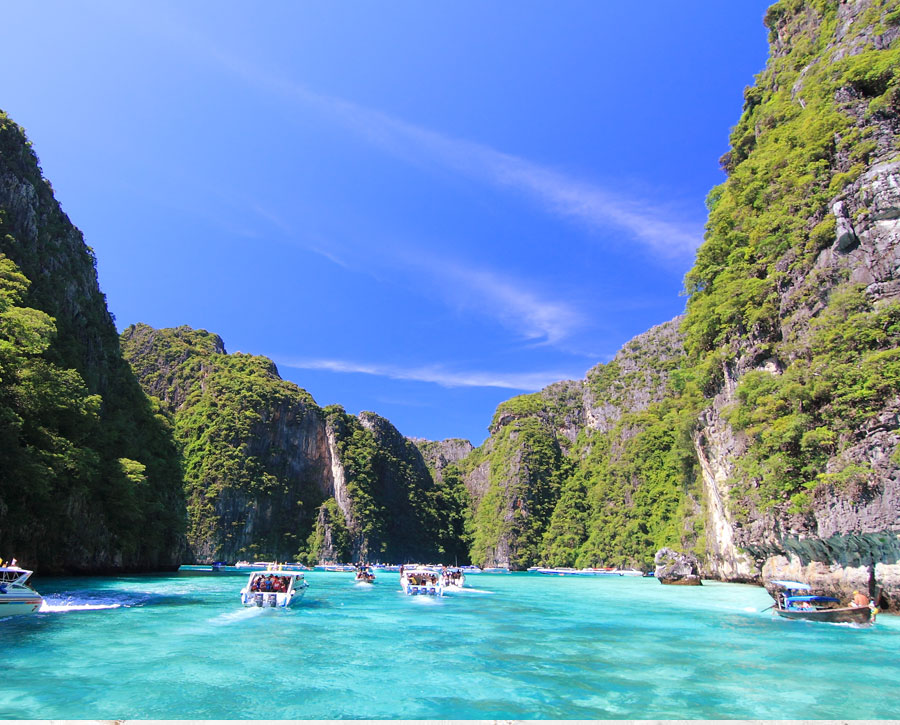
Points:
[235,419]
[399,510]
[816,119]
[89,474]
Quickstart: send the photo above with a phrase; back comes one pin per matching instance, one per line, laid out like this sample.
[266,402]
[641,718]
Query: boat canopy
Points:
[808,598]
[791,585]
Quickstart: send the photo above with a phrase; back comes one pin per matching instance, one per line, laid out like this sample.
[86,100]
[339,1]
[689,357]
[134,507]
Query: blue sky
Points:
[421,209]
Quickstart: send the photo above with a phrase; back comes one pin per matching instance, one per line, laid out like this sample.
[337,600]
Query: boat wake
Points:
[89,601]
[58,605]
[238,615]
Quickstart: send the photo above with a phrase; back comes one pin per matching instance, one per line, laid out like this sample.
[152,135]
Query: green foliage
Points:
[224,408]
[839,378]
[330,520]
[71,408]
[630,494]
[526,470]
[518,406]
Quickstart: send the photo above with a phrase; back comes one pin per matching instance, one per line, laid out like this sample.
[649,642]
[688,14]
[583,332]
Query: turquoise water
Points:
[522,646]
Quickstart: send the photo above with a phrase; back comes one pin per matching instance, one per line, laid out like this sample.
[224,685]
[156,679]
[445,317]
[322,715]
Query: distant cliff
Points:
[589,472]
[271,475]
[89,473]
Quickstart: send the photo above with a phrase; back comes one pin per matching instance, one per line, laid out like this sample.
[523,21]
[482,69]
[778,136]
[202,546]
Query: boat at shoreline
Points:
[793,600]
[589,571]
[335,567]
[16,596]
[420,580]
[274,588]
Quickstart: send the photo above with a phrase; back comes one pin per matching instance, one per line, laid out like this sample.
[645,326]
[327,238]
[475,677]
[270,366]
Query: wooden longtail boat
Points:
[793,601]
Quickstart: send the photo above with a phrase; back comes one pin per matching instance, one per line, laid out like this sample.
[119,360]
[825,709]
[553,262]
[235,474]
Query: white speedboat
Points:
[453,578]
[426,580]
[16,597]
[630,572]
[275,588]
[335,567]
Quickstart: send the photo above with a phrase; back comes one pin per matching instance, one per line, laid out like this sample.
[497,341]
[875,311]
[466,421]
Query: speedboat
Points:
[422,580]
[496,570]
[453,579]
[274,587]
[16,597]
[794,600]
[558,571]
[364,575]
[334,567]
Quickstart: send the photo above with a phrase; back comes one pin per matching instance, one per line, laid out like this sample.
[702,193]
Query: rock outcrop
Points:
[516,478]
[673,567]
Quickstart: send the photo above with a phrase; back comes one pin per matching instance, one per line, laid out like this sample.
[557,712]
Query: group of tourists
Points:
[270,583]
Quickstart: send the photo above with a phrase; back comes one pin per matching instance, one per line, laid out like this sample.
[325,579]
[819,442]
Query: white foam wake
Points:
[52,606]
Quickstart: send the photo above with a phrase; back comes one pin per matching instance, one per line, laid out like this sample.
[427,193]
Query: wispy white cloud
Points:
[437,374]
[645,221]
[504,298]
[511,301]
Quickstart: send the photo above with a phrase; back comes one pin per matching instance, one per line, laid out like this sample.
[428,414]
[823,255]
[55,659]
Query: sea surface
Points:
[517,646]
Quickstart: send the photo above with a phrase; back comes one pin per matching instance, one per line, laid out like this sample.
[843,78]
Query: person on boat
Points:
[860,599]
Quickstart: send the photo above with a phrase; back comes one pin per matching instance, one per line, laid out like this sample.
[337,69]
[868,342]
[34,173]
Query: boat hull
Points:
[11,605]
[271,600]
[842,615]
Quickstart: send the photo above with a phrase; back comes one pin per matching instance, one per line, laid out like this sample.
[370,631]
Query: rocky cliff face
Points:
[829,279]
[271,475]
[98,471]
[257,457]
[538,442]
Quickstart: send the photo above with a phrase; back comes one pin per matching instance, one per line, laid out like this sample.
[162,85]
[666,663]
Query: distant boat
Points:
[17,597]
[589,571]
[794,601]
[454,579]
[364,575]
[335,567]
[496,570]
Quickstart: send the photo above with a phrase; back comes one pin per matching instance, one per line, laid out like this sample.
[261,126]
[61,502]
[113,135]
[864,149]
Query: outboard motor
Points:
[258,599]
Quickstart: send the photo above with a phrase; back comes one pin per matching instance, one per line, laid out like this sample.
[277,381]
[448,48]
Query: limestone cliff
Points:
[257,459]
[89,477]
[536,481]
[793,308]
[271,475]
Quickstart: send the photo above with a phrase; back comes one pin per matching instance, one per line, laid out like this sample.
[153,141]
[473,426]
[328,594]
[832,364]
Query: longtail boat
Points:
[793,600]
